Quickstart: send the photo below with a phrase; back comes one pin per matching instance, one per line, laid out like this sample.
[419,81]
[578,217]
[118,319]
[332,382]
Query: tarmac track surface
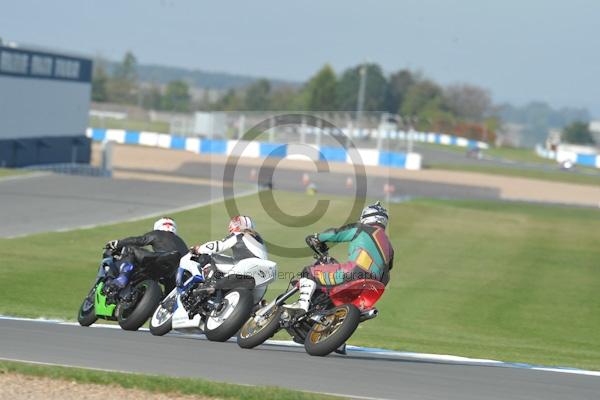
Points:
[329,182]
[51,202]
[357,374]
[57,202]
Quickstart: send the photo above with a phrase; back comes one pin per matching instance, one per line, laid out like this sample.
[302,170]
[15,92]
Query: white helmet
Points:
[374,214]
[241,223]
[165,224]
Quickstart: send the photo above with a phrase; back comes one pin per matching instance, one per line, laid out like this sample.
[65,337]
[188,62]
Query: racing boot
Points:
[124,273]
[307,288]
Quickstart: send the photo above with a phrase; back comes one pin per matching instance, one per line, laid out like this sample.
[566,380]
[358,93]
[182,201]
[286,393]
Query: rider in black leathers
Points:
[163,239]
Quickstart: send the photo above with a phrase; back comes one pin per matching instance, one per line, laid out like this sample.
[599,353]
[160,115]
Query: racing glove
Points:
[314,242]
[208,271]
[313,239]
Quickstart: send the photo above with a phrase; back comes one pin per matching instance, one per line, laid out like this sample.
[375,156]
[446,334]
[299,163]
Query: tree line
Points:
[461,109]
[122,86]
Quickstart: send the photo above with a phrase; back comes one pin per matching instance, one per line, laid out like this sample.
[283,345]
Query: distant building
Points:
[595,131]
[595,126]
[554,139]
[44,105]
[206,95]
[509,134]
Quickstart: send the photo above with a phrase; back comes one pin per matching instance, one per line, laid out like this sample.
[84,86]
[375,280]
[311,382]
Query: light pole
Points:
[409,123]
[362,86]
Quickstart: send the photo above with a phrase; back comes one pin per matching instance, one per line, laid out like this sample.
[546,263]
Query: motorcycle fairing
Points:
[100,306]
[181,319]
[363,293]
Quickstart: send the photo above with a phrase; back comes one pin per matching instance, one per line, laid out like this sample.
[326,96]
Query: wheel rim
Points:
[87,306]
[164,312]
[217,318]
[256,324]
[88,303]
[333,321]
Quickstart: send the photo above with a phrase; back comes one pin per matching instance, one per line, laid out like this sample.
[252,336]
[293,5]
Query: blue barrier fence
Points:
[253,149]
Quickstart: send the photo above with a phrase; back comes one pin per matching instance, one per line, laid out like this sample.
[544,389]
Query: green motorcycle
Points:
[133,304]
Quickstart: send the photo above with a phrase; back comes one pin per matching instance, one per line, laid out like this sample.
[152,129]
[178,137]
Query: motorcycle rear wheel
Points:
[132,317]
[254,333]
[325,337]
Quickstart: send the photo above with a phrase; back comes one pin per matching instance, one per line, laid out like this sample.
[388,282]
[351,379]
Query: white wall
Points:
[34,107]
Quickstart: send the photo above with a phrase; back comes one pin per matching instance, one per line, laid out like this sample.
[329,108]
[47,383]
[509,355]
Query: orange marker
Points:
[305,179]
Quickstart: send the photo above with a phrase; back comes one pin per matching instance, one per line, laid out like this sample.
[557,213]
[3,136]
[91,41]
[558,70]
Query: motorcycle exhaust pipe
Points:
[369,314]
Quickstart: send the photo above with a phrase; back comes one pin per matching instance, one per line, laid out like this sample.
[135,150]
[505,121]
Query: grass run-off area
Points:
[519,154]
[159,384]
[506,281]
[128,124]
[537,168]
[12,171]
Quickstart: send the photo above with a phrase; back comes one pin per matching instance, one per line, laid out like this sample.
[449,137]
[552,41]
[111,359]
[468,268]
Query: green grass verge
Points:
[508,153]
[12,171]
[160,384]
[128,124]
[528,156]
[482,279]
[555,176]
[517,154]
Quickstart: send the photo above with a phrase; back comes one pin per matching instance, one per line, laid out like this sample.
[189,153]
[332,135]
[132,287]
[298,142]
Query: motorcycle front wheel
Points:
[132,316]
[87,311]
[258,329]
[335,328]
[161,322]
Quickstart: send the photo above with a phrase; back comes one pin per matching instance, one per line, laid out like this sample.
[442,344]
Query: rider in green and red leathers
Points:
[370,255]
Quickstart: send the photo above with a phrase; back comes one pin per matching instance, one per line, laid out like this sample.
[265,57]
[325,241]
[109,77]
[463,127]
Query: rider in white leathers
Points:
[243,240]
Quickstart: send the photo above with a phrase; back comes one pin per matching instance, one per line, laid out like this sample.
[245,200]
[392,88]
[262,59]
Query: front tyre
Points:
[87,311]
[133,315]
[225,321]
[161,321]
[335,328]
[258,329]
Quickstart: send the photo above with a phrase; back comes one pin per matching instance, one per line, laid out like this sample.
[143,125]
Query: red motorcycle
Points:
[331,320]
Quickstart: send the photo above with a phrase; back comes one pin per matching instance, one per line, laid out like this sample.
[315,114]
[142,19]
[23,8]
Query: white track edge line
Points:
[368,350]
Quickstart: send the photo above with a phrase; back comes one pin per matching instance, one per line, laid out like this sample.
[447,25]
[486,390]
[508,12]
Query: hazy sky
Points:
[521,50]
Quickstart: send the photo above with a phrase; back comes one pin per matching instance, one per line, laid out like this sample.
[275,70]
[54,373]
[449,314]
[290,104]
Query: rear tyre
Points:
[87,311]
[255,332]
[236,309]
[161,321]
[131,317]
[339,324]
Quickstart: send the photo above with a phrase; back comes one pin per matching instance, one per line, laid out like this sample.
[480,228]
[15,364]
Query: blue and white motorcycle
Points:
[215,300]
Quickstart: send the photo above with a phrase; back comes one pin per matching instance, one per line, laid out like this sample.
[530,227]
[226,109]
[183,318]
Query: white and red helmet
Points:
[165,224]
[241,223]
